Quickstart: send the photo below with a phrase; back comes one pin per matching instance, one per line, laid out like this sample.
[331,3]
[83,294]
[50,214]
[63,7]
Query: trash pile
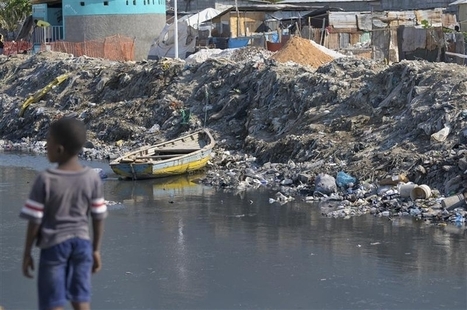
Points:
[250,53]
[341,196]
[276,125]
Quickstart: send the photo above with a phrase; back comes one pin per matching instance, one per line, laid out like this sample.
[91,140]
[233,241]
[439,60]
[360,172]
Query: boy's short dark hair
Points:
[70,133]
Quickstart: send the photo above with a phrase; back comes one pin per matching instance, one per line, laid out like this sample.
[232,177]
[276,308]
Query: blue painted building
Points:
[85,20]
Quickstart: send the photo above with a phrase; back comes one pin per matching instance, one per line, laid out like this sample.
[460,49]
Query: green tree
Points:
[13,12]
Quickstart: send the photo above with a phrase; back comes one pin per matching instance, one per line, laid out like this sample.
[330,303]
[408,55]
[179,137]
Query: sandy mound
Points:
[301,51]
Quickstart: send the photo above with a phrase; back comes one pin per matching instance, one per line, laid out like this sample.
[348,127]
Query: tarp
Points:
[413,39]
[164,45]
[196,19]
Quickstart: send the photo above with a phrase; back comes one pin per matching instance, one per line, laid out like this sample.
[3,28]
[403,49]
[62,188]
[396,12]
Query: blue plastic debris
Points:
[459,218]
[345,180]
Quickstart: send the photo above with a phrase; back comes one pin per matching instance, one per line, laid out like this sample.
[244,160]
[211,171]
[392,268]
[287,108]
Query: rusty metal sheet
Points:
[402,18]
[333,41]
[343,30]
[355,38]
[433,17]
[316,35]
[449,20]
[416,18]
[434,39]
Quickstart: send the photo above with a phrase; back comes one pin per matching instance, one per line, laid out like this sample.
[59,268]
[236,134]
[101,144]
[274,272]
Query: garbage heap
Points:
[279,125]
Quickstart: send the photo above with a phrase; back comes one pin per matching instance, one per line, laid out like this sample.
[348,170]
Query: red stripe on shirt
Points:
[98,205]
[33,208]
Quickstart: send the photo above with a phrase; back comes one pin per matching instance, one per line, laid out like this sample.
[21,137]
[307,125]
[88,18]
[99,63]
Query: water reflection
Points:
[131,192]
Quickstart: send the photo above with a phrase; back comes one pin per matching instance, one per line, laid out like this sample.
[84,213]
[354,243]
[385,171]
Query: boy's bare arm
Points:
[98,230]
[31,235]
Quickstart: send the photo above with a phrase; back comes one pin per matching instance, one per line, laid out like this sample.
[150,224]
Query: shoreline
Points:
[239,172]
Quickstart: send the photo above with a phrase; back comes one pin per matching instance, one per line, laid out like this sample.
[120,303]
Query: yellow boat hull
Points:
[183,155]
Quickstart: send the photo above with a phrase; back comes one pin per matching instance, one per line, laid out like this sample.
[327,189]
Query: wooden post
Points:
[322,32]
[238,16]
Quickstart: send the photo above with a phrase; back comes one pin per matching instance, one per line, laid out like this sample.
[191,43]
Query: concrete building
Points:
[86,20]
[461,6]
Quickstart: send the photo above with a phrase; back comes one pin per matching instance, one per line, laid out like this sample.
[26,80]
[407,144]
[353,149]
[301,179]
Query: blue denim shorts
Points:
[65,273]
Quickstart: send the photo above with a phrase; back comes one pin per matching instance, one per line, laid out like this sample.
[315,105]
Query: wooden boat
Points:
[185,154]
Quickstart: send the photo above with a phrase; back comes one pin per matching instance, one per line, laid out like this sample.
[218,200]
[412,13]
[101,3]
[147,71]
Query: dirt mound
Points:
[301,51]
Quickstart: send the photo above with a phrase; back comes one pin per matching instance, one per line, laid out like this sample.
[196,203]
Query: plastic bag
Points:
[345,180]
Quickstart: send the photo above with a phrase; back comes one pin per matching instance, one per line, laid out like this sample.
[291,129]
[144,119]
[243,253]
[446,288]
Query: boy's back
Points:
[59,200]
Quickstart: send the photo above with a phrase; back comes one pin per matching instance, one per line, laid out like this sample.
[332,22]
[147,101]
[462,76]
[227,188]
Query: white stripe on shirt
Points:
[101,209]
[98,206]
[31,212]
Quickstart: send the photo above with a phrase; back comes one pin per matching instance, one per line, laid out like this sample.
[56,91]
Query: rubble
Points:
[276,125]
[234,54]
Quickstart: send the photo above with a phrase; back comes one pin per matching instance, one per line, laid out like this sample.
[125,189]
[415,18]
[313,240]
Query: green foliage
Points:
[12,12]
[449,30]
[425,24]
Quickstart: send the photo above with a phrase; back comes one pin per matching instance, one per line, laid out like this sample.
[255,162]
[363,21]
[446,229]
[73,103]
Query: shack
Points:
[462,13]
[389,35]
[239,26]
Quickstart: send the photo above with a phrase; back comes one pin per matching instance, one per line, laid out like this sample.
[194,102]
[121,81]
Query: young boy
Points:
[58,209]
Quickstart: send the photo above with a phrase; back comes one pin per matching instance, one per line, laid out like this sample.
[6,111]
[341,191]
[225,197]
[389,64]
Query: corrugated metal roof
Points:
[319,1]
[351,20]
[264,8]
[434,18]
[415,18]
[458,2]
[342,20]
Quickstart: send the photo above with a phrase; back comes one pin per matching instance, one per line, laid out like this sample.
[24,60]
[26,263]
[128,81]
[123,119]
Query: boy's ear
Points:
[60,149]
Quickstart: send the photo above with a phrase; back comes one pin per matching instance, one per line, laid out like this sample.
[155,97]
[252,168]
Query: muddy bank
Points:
[276,124]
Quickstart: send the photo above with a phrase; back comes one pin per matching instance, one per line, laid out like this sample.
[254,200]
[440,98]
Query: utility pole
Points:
[176,28]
